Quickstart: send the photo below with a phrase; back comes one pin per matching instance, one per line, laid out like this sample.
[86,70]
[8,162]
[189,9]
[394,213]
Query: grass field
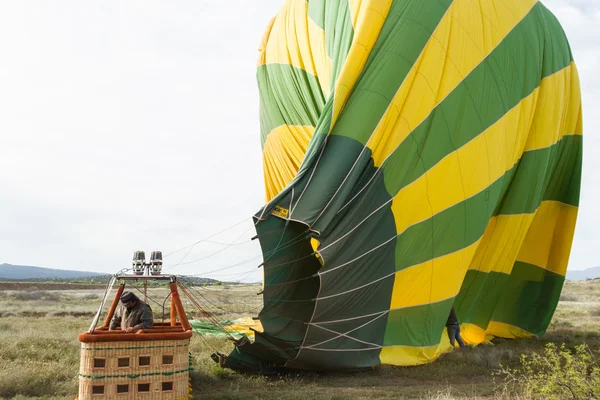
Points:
[39,351]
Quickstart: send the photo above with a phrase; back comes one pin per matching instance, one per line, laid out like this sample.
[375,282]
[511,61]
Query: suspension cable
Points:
[206,238]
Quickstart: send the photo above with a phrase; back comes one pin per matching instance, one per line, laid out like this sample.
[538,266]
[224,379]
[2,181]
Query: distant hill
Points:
[590,273]
[8,271]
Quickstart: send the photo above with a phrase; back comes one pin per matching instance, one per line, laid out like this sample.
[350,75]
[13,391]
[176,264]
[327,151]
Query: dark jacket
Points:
[452,320]
[138,317]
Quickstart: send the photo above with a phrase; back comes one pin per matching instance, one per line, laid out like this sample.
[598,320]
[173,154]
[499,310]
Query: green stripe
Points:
[417,326]
[526,298]
[133,348]
[494,87]
[288,95]
[450,230]
[333,16]
[287,307]
[558,169]
[463,224]
[389,63]
[316,11]
[134,376]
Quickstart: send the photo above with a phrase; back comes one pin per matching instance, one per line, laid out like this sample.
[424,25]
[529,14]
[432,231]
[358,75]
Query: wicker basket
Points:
[124,370]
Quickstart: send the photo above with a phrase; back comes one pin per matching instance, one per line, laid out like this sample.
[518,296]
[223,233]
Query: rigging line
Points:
[163,306]
[290,243]
[210,346]
[345,334]
[228,244]
[266,267]
[323,145]
[233,244]
[340,335]
[206,313]
[208,256]
[243,277]
[234,273]
[149,298]
[256,257]
[227,267]
[107,290]
[184,288]
[195,289]
[206,238]
[247,241]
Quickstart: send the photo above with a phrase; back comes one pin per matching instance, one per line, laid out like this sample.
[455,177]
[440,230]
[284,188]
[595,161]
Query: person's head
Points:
[128,299]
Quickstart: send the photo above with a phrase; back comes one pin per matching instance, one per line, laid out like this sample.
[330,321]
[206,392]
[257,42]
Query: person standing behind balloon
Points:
[454,329]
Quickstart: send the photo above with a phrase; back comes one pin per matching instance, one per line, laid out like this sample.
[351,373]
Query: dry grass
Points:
[39,351]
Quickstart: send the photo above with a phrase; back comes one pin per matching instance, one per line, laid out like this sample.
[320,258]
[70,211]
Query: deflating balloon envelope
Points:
[418,155]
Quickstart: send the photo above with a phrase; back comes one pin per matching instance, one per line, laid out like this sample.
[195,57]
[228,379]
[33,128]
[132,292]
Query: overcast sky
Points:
[130,125]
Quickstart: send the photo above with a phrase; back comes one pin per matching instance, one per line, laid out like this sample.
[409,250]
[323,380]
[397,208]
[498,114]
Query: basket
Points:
[152,370]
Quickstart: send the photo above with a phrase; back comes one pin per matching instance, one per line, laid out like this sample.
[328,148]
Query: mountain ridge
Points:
[11,271]
[26,273]
[590,273]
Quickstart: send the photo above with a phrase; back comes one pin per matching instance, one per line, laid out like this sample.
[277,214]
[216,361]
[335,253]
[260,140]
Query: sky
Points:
[133,125]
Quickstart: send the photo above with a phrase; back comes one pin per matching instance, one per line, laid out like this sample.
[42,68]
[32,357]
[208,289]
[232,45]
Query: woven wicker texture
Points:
[153,370]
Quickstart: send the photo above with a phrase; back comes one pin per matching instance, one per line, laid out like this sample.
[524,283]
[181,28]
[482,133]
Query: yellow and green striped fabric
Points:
[418,155]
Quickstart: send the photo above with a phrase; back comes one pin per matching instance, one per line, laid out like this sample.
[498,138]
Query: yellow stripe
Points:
[500,329]
[558,110]
[501,243]
[294,39]
[405,355]
[472,334]
[542,239]
[245,325]
[354,10]
[265,38]
[472,168]
[314,243]
[467,34]
[368,18]
[432,281]
[548,242]
[283,152]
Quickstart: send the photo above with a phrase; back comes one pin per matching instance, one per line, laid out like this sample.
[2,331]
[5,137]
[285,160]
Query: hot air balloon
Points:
[418,155]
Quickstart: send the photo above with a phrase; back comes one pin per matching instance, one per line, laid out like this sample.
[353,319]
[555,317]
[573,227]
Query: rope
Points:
[205,257]
[206,313]
[109,285]
[150,298]
[163,305]
[192,287]
[291,242]
[202,310]
[206,238]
